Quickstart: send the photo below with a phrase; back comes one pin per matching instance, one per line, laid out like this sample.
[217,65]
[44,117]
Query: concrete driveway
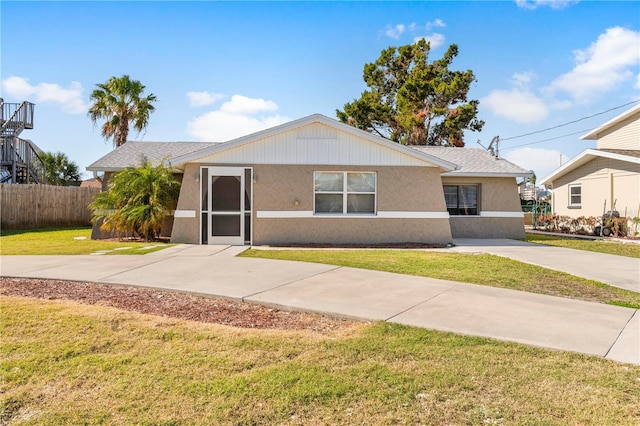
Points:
[551,322]
[618,271]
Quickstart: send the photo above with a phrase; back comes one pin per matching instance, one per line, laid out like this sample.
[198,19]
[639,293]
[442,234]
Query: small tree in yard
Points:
[137,201]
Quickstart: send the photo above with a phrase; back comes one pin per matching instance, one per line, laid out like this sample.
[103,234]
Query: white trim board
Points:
[184,213]
[299,214]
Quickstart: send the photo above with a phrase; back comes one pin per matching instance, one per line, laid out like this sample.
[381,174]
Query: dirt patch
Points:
[172,304]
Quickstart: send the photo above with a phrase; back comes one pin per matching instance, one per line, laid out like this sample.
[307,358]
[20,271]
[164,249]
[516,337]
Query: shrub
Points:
[137,201]
[582,225]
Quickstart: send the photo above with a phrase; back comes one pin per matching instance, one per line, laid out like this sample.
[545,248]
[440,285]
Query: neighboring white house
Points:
[598,178]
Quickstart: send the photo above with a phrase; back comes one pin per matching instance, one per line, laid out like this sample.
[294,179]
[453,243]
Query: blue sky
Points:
[225,69]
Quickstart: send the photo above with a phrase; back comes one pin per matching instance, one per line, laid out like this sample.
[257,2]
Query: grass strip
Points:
[483,269]
[598,246]
[68,241]
[66,364]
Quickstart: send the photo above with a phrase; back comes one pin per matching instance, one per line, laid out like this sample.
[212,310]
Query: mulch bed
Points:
[172,304]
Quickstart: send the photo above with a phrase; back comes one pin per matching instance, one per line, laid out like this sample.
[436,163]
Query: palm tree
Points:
[60,170]
[119,102]
[137,201]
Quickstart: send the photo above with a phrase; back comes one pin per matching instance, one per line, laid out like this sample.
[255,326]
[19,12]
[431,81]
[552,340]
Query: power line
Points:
[570,122]
[545,140]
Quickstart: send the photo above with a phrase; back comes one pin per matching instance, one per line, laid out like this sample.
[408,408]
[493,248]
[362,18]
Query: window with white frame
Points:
[461,200]
[344,192]
[575,195]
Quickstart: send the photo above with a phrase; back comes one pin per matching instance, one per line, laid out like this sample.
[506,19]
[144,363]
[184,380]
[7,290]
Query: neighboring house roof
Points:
[626,152]
[132,153]
[474,162]
[421,157]
[593,135]
[584,157]
[91,183]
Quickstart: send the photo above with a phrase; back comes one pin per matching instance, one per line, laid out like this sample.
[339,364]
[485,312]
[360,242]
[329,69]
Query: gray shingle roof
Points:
[132,153]
[474,161]
[627,152]
[470,161]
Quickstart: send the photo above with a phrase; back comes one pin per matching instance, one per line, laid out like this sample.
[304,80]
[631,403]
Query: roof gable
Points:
[315,139]
[598,131]
[586,156]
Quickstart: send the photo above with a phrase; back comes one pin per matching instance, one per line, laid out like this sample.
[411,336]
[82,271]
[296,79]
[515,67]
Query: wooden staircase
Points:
[20,160]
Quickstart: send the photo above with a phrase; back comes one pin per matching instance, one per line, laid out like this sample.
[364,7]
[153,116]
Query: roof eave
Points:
[583,158]
[481,174]
[593,134]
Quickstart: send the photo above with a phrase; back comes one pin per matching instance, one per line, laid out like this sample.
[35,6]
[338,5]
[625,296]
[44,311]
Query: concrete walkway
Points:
[552,322]
[618,271]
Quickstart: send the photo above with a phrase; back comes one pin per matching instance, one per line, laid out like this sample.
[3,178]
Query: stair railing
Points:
[23,155]
[16,117]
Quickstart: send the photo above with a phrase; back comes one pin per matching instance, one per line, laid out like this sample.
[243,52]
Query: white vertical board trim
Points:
[316,146]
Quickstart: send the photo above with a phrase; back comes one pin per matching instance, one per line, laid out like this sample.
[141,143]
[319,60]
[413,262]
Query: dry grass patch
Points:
[65,363]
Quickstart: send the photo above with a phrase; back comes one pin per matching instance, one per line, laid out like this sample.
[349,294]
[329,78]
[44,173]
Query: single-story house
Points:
[596,179]
[316,180]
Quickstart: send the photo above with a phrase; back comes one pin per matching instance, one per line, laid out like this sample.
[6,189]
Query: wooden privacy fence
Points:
[44,206]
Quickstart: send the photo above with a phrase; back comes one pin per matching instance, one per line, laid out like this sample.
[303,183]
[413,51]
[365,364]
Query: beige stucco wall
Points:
[277,187]
[290,188]
[487,227]
[351,231]
[601,179]
[497,196]
[187,229]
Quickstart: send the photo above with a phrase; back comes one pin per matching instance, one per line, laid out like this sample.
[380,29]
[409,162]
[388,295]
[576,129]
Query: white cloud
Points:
[69,98]
[243,105]
[396,31]
[523,79]
[608,62]
[435,40]
[237,117]
[541,161]
[438,23]
[553,4]
[518,104]
[198,99]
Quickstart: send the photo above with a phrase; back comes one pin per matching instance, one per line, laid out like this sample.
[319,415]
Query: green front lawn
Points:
[66,364]
[484,269]
[600,246]
[67,241]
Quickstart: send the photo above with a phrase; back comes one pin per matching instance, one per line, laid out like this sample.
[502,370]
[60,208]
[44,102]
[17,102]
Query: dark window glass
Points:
[461,200]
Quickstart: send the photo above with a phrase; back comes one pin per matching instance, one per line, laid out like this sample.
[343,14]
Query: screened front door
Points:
[226,205]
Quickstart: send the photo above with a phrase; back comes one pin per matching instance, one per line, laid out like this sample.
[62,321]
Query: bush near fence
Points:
[45,206]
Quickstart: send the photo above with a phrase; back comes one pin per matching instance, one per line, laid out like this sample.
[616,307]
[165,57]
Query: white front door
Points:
[226,205]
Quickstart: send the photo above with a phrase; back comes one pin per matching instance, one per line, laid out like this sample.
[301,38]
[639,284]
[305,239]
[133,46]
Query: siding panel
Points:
[314,144]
